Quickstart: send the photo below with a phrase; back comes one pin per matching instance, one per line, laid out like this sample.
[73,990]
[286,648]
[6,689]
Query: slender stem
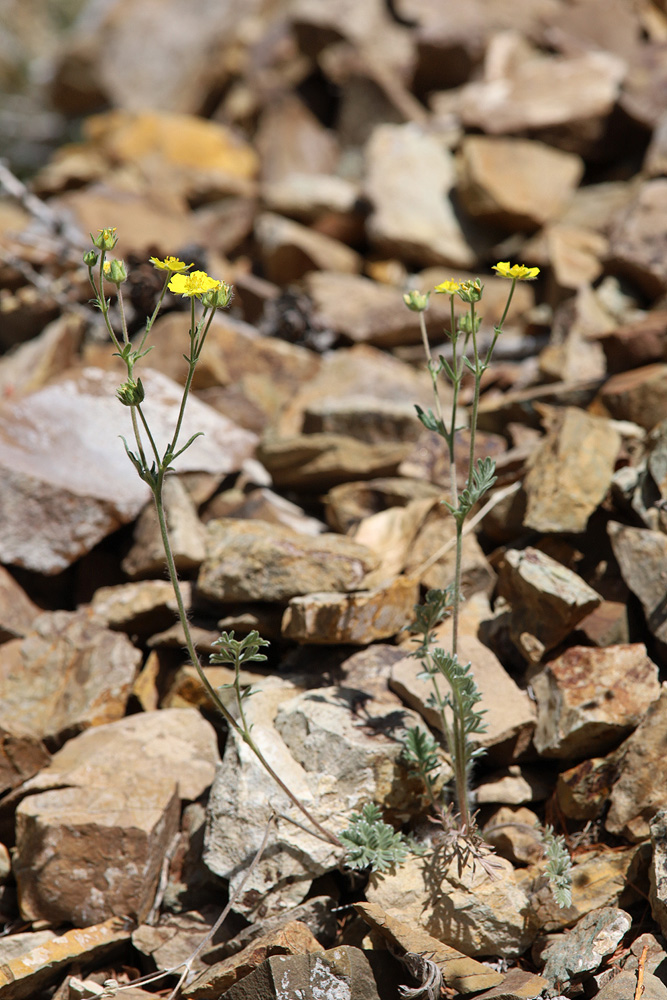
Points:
[507,304]
[475,402]
[453,485]
[212,693]
[456,601]
[148,432]
[137,436]
[123,321]
[461,758]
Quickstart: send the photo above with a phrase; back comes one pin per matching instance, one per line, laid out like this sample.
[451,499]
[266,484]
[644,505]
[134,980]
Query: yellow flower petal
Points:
[171,264]
[196,283]
[517,272]
[447,288]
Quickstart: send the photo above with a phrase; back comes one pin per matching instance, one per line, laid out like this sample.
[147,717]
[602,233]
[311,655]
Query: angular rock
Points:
[319,461]
[253,560]
[42,358]
[589,699]
[140,608]
[514,786]
[339,972]
[547,600]
[516,183]
[570,471]
[459,972]
[17,611]
[622,985]
[468,910]
[294,938]
[22,755]
[641,788]
[24,977]
[186,534]
[264,505]
[515,835]
[639,395]
[175,937]
[333,764]
[583,790]
[637,243]
[409,177]
[641,557]
[85,854]
[360,618]
[390,534]
[67,482]
[635,344]
[349,503]
[658,870]
[438,531]
[370,420]
[289,250]
[291,140]
[65,651]
[596,936]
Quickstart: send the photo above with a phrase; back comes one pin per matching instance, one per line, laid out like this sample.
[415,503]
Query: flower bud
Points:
[106,240]
[416,301]
[471,291]
[114,271]
[131,393]
[90,258]
[217,298]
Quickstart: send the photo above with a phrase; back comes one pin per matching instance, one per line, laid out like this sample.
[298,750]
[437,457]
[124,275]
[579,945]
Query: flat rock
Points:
[547,600]
[143,608]
[367,419]
[391,534]
[67,482]
[409,177]
[360,618]
[641,787]
[641,555]
[437,531]
[23,977]
[658,870]
[639,395]
[339,972]
[186,533]
[319,461]
[42,358]
[589,699]
[622,985]
[465,909]
[66,651]
[262,504]
[570,471]
[253,560]
[514,785]
[595,937]
[637,244]
[635,344]
[289,250]
[349,503]
[516,183]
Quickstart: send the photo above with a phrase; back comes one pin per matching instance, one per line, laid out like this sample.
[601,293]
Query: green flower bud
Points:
[91,258]
[471,291]
[416,301]
[114,271]
[217,298]
[106,240]
[131,393]
[465,323]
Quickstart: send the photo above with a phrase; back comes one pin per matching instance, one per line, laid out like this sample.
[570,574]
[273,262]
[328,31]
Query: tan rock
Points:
[289,250]
[640,789]
[583,790]
[262,504]
[186,534]
[69,651]
[515,834]
[349,503]
[636,242]
[42,358]
[658,870]
[639,395]
[409,177]
[23,977]
[17,611]
[142,607]
[514,786]
[636,344]
[253,560]
[291,140]
[357,618]
[570,471]
[319,461]
[641,557]
[469,911]
[22,755]
[391,534]
[547,600]
[576,255]
[588,699]
[308,197]
[516,183]
[438,530]
[367,419]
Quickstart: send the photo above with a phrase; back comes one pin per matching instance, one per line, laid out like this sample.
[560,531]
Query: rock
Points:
[622,986]
[640,789]
[576,256]
[293,938]
[17,611]
[516,183]
[596,936]
[518,405]
[589,699]
[468,910]
[22,755]
[67,482]
[641,554]
[262,504]
[173,940]
[570,471]
[291,141]
[513,786]
[636,344]
[359,618]
[140,608]
[349,503]
[23,977]
[565,101]
[311,198]
[43,358]
[186,534]
[289,250]
[459,972]
[583,791]
[390,534]
[547,600]
[437,531]
[253,560]
[66,651]
[370,420]
[316,744]
[339,972]
[658,869]
[639,395]
[409,178]
[319,461]
[517,984]
[85,854]
[514,833]
[636,241]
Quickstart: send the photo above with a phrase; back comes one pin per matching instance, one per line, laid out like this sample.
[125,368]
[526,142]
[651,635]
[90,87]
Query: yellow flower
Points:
[171,264]
[447,288]
[196,283]
[519,272]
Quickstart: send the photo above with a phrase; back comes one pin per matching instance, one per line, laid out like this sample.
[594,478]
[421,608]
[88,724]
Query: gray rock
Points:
[623,986]
[596,936]
[637,243]
[342,972]
[658,869]
[186,534]
[641,555]
[641,787]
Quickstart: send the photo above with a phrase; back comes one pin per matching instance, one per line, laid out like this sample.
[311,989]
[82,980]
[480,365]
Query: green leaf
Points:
[369,842]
